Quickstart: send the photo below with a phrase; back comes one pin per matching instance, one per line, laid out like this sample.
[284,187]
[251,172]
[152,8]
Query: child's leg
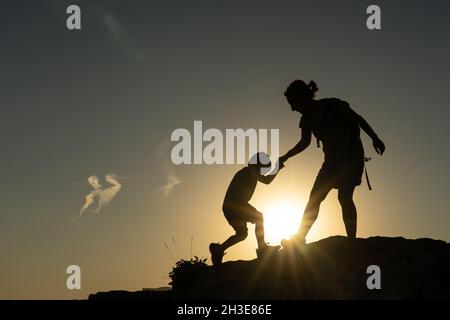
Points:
[239,215]
[259,231]
[250,214]
[240,226]
[257,218]
[241,234]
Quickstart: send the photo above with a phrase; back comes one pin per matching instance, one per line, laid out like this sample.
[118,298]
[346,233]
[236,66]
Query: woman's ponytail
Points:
[301,89]
[312,86]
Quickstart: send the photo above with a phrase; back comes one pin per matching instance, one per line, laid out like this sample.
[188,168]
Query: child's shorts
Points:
[238,214]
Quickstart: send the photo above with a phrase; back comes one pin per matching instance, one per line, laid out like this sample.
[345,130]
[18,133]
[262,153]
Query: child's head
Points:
[259,160]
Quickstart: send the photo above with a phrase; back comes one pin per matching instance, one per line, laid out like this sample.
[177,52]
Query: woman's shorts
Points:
[340,175]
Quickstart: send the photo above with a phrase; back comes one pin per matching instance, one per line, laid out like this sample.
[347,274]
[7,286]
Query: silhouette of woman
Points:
[337,126]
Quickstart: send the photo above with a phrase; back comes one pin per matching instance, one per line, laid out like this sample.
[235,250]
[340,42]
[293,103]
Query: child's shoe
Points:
[295,241]
[266,251]
[216,254]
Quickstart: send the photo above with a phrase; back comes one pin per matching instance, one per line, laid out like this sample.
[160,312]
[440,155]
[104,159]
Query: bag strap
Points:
[366,159]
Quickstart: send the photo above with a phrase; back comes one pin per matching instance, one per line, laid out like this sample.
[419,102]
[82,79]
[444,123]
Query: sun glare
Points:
[281,220]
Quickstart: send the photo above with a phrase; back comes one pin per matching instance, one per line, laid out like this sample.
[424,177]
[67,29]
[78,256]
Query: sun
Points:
[281,220]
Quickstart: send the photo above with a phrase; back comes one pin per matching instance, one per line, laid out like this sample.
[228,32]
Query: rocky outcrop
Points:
[332,268]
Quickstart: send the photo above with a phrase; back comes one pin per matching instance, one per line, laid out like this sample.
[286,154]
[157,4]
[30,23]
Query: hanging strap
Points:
[366,159]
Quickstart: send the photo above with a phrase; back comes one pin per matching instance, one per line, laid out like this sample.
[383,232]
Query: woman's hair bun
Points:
[313,86]
[301,89]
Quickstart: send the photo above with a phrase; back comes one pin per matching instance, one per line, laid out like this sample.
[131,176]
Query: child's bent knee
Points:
[259,217]
[242,234]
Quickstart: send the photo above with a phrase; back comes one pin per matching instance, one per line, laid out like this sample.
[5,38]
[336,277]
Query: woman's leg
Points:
[345,196]
[319,192]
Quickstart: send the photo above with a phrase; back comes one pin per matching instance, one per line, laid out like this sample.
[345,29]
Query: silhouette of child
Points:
[238,211]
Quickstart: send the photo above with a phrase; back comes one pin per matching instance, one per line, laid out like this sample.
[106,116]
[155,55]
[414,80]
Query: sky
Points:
[105,100]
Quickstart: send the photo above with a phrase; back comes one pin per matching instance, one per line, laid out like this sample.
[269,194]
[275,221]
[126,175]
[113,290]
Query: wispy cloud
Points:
[171,183]
[118,34]
[103,195]
[112,24]
[169,172]
[121,38]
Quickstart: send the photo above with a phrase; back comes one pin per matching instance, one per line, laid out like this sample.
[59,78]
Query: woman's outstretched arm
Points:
[300,146]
